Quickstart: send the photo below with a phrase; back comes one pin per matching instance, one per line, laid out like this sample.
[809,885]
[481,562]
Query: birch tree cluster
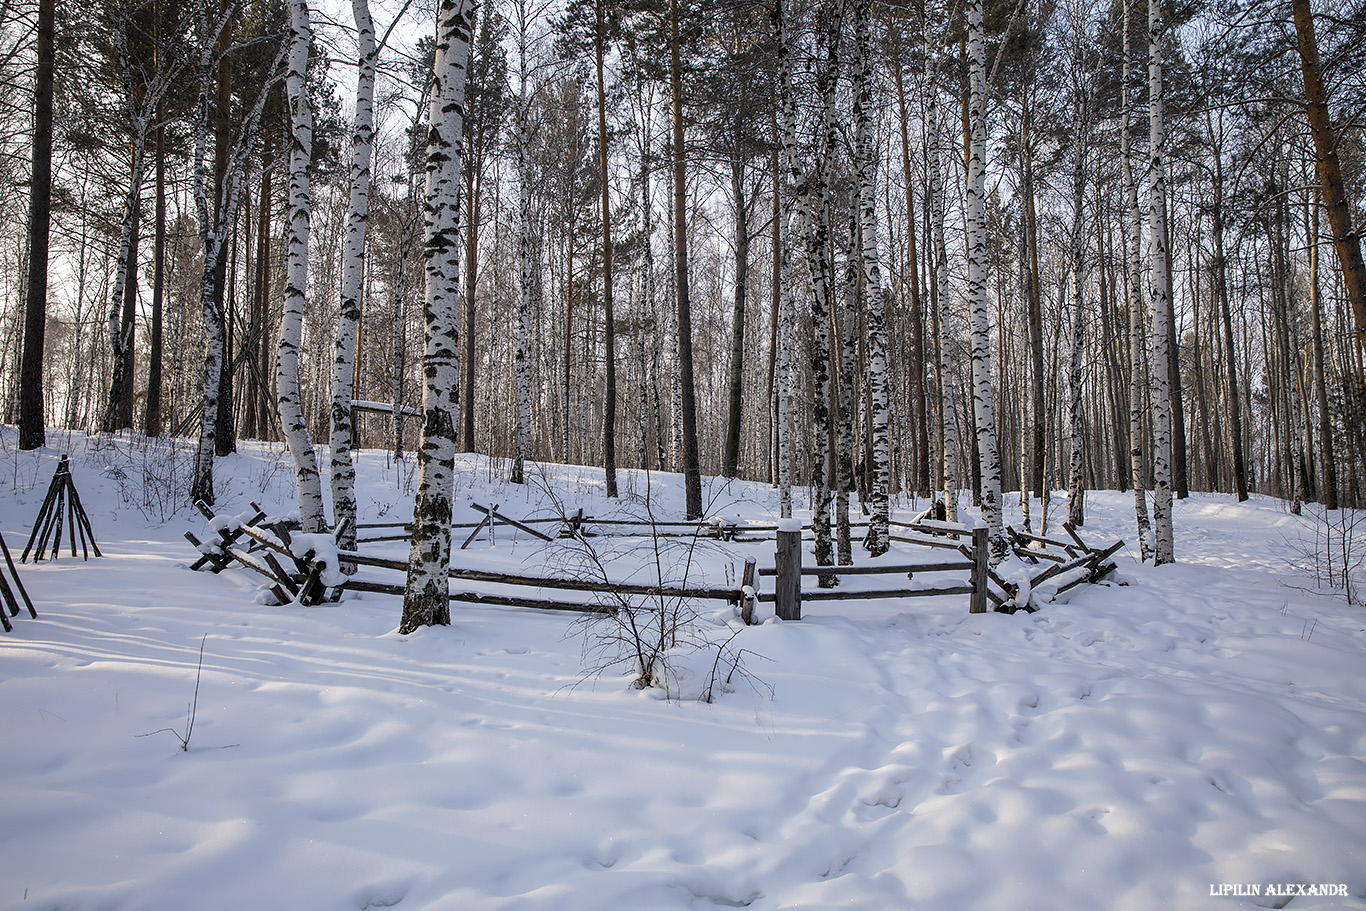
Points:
[877,254]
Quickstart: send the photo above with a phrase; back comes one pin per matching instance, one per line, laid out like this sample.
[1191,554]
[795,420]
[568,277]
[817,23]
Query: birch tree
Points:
[877,541]
[787,141]
[214,231]
[426,595]
[306,477]
[814,196]
[1132,232]
[978,305]
[1159,291]
[1081,131]
[343,470]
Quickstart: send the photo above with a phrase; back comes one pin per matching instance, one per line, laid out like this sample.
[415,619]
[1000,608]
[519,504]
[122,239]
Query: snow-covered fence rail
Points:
[607,592]
[787,595]
[1070,563]
[307,568]
[297,567]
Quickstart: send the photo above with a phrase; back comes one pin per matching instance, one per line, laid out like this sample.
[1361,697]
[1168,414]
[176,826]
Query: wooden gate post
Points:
[978,602]
[787,589]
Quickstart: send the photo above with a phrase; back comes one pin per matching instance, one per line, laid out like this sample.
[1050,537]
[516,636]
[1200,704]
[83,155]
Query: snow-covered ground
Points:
[1194,734]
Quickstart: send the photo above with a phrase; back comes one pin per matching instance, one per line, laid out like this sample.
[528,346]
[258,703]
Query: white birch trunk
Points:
[212,235]
[201,488]
[847,344]
[343,470]
[1138,386]
[426,597]
[306,477]
[978,304]
[877,541]
[1159,292]
[815,212]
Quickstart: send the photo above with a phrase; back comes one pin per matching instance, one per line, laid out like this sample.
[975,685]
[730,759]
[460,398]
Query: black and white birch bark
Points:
[847,338]
[787,139]
[978,305]
[426,595]
[875,303]
[307,480]
[343,470]
[814,197]
[1081,129]
[1159,292]
[213,232]
[1138,386]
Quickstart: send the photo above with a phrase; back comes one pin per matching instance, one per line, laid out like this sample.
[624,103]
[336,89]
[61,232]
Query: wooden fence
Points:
[297,572]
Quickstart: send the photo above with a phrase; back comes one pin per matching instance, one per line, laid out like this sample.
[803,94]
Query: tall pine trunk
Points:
[32,433]
[1346,241]
[939,310]
[730,457]
[609,402]
[692,475]
[521,149]
[151,420]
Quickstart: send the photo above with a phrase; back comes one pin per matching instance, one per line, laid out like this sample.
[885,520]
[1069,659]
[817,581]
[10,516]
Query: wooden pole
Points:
[788,560]
[747,591]
[978,603]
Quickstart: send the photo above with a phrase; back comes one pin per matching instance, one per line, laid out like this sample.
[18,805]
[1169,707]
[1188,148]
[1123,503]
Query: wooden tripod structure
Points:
[61,497]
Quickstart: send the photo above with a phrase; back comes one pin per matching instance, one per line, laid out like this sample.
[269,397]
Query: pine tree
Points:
[32,433]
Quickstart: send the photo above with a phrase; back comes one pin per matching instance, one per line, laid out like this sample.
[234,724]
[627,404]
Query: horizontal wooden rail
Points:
[585,585]
[872,570]
[829,594]
[386,588]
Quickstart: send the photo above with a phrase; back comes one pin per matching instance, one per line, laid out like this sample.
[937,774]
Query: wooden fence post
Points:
[787,588]
[747,582]
[978,602]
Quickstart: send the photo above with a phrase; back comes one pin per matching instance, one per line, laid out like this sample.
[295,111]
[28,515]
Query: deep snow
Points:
[1132,748]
